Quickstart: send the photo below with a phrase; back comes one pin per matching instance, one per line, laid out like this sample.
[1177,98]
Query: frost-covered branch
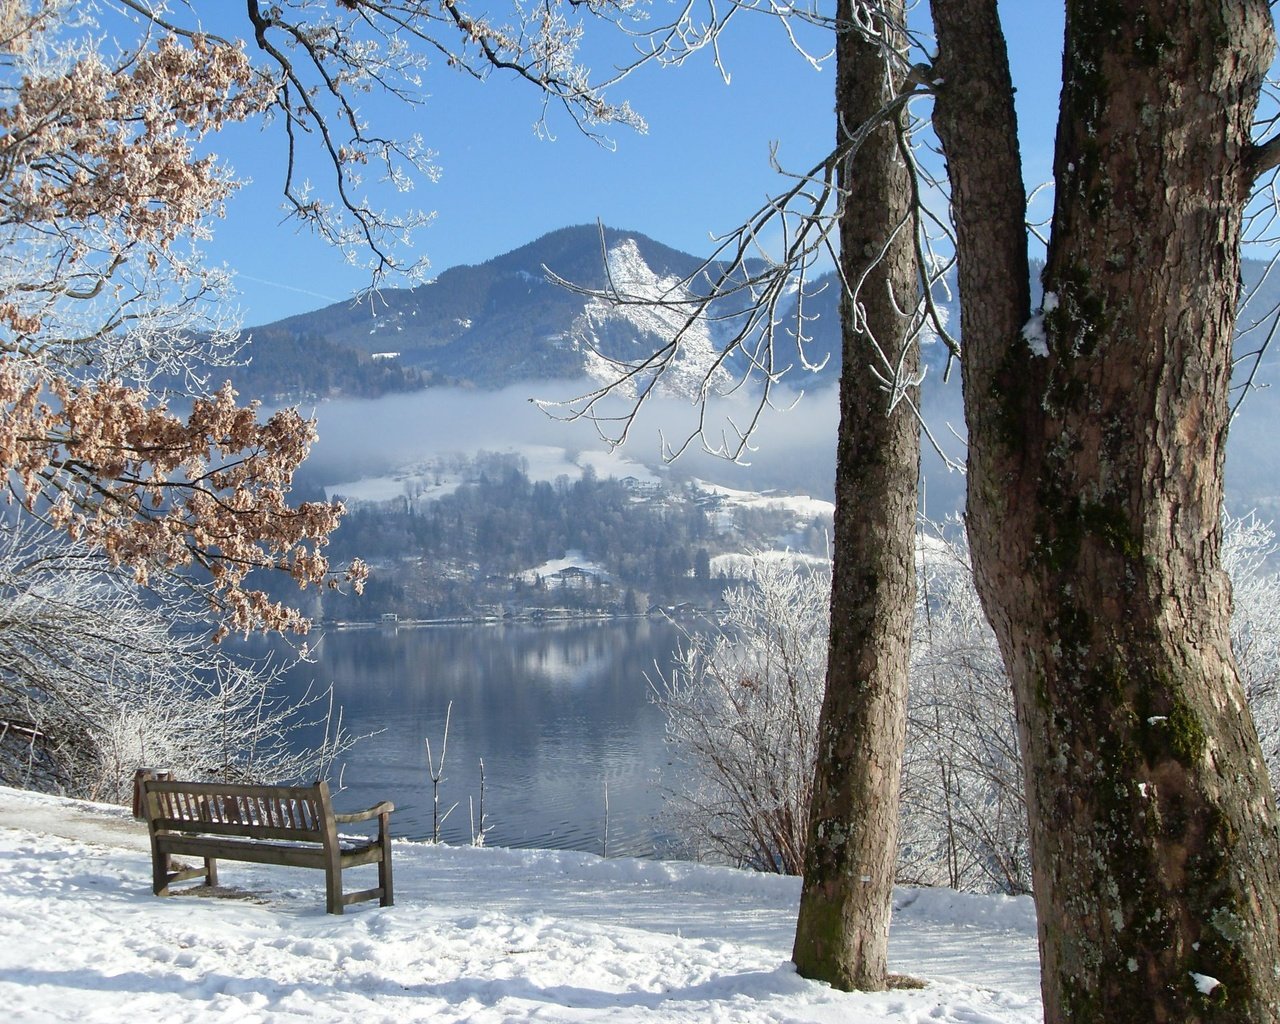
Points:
[754,292]
[105,306]
[742,706]
[98,679]
[319,63]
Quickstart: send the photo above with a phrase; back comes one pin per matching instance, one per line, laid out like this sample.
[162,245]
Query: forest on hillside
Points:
[627,544]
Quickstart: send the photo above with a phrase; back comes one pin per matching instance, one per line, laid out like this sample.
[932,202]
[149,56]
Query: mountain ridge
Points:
[490,324]
[505,320]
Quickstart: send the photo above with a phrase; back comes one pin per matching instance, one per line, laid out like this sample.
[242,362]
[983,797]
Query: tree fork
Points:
[1095,491]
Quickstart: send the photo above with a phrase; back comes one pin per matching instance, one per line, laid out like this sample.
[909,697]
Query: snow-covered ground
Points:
[476,935]
[378,490]
[802,505]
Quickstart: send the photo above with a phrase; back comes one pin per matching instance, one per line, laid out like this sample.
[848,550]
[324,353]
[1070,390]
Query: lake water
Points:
[560,713]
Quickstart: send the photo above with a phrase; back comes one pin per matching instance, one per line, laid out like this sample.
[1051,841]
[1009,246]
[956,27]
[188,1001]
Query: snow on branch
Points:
[315,62]
[98,679]
[104,301]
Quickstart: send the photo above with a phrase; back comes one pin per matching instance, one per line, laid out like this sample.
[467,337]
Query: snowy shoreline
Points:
[480,935]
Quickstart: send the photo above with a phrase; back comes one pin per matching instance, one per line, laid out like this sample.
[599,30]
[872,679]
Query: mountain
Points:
[508,320]
[300,367]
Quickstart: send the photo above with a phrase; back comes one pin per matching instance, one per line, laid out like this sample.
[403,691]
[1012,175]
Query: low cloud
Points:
[792,449]
[794,443]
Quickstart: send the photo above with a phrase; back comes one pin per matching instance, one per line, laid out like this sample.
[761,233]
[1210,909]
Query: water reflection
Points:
[558,712]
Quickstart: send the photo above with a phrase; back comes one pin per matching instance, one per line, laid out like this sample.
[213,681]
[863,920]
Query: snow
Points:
[801,504]
[804,509]
[657,308]
[547,462]
[1033,332]
[613,463]
[571,559]
[477,935]
[1204,984]
[377,490]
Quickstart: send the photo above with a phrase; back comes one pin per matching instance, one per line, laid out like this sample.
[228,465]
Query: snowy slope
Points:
[801,504]
[425,481]
[476,935]
[616,335]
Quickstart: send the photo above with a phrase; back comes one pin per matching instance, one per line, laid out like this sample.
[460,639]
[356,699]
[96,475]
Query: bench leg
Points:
[333,890]
[210,871]
[161,868]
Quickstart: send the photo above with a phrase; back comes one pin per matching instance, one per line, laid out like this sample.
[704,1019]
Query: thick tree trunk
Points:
[1095,490]
[842,933]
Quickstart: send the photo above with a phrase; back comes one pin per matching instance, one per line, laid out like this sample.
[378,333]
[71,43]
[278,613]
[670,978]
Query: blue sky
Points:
[702,167]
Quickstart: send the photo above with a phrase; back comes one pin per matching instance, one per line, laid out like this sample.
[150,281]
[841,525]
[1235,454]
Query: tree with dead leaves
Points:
[105,301]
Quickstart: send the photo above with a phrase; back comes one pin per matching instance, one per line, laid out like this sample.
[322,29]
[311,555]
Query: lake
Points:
[561,714]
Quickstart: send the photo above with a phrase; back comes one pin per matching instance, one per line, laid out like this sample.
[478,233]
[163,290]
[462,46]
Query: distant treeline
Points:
[473,549]
[289,368]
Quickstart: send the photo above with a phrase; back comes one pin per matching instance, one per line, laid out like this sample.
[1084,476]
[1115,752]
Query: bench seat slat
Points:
[226,828]
[352,852]
[353,856]
[254,852]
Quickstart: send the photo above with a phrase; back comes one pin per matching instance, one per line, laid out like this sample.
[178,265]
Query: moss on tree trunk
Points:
[1095,491]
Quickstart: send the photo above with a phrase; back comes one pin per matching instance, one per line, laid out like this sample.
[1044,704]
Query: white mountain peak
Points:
[651,324]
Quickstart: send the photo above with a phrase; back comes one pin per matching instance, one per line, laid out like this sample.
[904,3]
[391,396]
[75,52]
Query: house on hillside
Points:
[573,577]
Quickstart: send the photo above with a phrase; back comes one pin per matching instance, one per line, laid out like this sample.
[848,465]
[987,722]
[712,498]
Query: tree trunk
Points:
[1095,491]
[843,929]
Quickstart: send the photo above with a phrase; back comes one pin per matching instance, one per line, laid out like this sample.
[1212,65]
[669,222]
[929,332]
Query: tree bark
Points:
[1095,491]
[843,928]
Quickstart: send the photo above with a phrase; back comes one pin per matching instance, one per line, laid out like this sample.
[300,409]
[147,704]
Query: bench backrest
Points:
[297,813]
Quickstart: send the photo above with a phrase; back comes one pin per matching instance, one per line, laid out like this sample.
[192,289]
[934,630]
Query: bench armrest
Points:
[386,807]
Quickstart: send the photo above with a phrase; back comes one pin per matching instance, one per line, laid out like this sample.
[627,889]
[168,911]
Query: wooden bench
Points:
[288,825]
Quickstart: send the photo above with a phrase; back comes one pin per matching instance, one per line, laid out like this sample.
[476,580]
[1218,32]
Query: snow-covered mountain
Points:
[617,337]
[509,319]
[512,319]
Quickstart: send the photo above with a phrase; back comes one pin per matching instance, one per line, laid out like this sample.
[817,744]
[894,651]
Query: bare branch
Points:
[1263,157]
[754,291]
